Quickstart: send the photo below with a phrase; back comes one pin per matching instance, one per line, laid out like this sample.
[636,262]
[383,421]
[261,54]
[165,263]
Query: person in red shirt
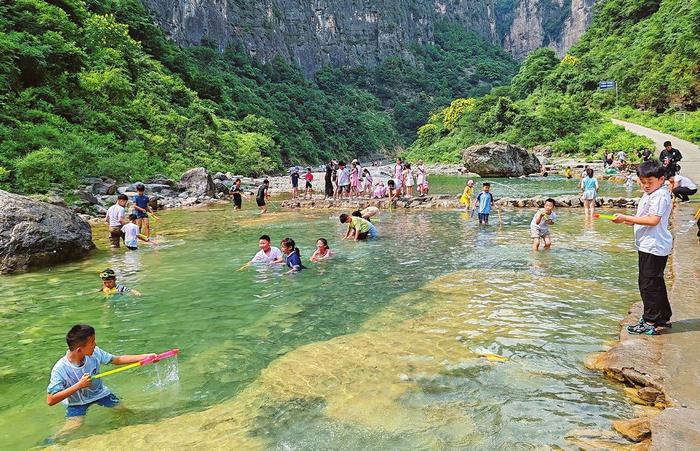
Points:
[309,177]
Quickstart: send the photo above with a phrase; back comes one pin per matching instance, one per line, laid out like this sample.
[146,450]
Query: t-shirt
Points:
[65,374]
[235,191]
[118,289]
[543,227]
[646,154]
[293,261]
[684,182]
[309,177]
[142,202]
[295,178]
[131,232]
[343,177]
[484,200]
[261,192]
[589,183]
[621,156]
[115,214]
[656,239]
[262,257]
[359,224]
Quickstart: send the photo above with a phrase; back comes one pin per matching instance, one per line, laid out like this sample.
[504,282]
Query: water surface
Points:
[378,348]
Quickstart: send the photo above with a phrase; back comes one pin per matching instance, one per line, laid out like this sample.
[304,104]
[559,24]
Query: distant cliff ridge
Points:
[316,33]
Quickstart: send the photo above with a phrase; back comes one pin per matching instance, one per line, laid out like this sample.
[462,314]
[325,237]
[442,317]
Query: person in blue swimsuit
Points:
[292,255]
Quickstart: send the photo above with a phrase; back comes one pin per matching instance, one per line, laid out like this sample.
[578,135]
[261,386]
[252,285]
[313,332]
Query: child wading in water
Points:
[323,252]
[589,186]
[142,210]
[71,380]
[292,255]
[654,244]
[358,228]
[132,235]
[110,285]
[483,203]
[263,194]
[539,227]
[467,196]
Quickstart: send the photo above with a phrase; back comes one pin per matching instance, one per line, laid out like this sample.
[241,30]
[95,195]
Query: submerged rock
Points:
[499,159]
[34,234]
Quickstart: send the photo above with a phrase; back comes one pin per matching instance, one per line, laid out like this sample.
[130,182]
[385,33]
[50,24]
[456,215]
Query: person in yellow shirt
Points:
[467,196]
[567,172]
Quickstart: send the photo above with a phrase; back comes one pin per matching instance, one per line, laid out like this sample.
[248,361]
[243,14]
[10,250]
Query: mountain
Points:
[340,33]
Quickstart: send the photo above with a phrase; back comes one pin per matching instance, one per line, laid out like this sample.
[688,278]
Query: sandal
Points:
[643,329]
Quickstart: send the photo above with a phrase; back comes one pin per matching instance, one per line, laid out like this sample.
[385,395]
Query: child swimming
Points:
[110,285]
[292,255]
[323,252]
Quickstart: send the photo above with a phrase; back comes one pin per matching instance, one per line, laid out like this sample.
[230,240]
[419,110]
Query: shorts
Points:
[397,184]
[308,184]
[260,202]
[537,233]
[589,195]
[345,188]
[237,201]
[483,217]
[110,400]
[132,248]
[115,235]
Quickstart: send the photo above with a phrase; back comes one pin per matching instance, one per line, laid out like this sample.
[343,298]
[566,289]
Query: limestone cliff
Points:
[315,33]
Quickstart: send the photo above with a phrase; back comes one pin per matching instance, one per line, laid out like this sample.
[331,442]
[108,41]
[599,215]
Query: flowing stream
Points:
[378,348]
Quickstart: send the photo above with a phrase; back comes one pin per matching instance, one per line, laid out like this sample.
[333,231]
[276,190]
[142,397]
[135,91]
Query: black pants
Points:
[652,288]
[329,188]
[682,192]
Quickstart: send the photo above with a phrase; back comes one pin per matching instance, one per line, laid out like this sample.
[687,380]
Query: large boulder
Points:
[499,159]
[198,182]
[34,233]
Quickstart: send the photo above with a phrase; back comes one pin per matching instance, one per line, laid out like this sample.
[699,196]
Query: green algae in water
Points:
[378,348]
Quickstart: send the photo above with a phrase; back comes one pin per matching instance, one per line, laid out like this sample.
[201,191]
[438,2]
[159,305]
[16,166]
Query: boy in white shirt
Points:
[654,244]
[132,235]
[115,220]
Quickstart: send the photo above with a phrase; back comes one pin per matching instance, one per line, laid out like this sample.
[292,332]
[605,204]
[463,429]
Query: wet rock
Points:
[636,429]
[101,185]
[197,182]
[499,159]
[650,395]
[34,234]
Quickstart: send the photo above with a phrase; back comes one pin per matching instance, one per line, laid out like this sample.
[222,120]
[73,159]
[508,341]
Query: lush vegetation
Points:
[683,124]
[651,48]
[92,87]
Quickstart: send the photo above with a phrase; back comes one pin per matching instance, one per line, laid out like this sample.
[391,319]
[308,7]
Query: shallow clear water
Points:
[378,348]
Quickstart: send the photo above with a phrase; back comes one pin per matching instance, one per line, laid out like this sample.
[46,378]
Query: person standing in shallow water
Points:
[263,195]
[589,187]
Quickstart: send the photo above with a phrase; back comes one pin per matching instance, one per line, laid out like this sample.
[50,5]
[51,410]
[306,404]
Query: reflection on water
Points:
[378,348]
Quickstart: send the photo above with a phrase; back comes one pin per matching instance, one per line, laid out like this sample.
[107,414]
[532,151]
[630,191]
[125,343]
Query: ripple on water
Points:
[412,375]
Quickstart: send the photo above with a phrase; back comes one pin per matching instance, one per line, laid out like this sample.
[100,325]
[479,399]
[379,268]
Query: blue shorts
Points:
[110,400]
[483,217]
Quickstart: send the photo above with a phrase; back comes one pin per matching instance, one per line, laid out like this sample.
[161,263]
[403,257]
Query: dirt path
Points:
[673,360]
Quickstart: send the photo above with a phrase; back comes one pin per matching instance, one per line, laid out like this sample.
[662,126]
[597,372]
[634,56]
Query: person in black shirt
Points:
[669,158]
[263,193]
[330,168]
[236,194]
[646,155]
[295,182]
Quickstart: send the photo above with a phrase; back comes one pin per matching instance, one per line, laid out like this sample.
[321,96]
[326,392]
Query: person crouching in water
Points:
[358,228]
[292,255]
[323,251]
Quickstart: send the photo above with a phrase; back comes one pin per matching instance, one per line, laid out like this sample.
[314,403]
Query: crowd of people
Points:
[72,380]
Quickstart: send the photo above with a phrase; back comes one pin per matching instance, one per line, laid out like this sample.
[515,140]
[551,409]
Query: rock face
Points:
[499,159]
[197,181]
[34,234]
[351,33]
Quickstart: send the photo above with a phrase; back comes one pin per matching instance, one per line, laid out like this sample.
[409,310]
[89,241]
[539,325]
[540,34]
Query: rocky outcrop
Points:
[34,234]
[197,182]
[351,33]
[499,159]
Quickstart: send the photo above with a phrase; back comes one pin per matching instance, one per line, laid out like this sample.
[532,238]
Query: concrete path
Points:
[690,165]
[678,427]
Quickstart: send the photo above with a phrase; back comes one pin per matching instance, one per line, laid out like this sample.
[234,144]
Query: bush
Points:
[39,170]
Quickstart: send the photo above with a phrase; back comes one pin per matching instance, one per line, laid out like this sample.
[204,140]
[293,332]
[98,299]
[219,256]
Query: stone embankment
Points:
[448,202]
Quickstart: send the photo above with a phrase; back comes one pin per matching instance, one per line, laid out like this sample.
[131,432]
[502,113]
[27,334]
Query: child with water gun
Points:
[539,227]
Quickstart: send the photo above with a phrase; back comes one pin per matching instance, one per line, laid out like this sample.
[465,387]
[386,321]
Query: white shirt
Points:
[684,182]
[542,226]
[262,257]
[656,239]
[131,232]
[115,214]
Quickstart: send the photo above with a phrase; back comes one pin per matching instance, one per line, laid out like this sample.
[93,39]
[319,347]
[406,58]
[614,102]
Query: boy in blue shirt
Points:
[483,203]
[654,244]
[142,209]
[71,377]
